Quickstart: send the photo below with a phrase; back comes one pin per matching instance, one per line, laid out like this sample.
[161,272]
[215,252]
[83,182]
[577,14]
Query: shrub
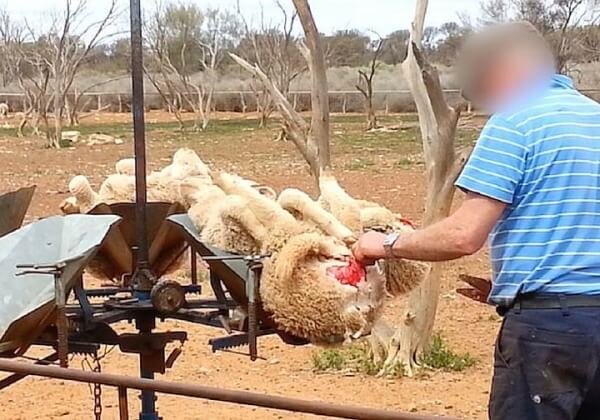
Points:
[440,357]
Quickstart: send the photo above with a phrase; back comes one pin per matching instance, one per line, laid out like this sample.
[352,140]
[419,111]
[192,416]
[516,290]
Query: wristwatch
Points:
[388,244]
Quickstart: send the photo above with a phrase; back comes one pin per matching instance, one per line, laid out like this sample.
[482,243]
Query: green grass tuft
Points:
[440,357]
[352,359]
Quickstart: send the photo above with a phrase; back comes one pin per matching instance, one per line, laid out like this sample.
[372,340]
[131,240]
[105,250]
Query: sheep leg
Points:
[236,209]
[311,210]
[295,251]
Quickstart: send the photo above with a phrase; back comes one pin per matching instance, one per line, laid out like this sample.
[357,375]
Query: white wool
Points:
[125,167]
[187,163]
[85,197]
[118,188]
[70,206]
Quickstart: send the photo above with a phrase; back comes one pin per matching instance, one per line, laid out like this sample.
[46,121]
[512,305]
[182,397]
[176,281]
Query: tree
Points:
[184,40]
[451,36]
[365,83]
[347,48]
[395,47]
[64,48]
[494,11]
[443,164]
[273,47]
[312,140]
[559,21]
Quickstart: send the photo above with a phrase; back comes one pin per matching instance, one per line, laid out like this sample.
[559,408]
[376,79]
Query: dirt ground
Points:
[371,170]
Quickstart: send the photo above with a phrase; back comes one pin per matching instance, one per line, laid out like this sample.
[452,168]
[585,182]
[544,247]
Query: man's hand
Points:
[369,248]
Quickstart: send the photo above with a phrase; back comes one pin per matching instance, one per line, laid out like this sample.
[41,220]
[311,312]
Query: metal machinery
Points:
[138,248]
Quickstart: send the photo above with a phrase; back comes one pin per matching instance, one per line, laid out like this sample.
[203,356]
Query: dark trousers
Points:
[547,365]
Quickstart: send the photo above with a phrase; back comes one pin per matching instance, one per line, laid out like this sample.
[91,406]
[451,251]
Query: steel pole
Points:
[139,135]
[145,324]
[216,394]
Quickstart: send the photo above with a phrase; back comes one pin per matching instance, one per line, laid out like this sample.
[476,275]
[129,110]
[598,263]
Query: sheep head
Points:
[69,206]
[301,287]
[125,167]
[85,196]
[187,163]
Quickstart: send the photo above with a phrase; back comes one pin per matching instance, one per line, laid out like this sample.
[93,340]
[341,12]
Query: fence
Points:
[343,101]
[387,101]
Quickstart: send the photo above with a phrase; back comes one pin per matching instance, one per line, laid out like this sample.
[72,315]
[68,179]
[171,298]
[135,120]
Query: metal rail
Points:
[210,393]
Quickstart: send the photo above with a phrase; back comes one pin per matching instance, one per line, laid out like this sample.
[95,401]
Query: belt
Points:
[548,301]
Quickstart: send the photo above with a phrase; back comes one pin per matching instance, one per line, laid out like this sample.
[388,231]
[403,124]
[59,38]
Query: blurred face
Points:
[506,77]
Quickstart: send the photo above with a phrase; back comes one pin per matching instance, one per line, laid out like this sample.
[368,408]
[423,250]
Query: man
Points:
[533,185]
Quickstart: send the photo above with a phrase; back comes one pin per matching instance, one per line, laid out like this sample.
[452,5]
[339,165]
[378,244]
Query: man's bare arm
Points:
[462,233]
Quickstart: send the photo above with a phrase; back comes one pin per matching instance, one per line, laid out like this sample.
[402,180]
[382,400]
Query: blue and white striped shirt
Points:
[544,162]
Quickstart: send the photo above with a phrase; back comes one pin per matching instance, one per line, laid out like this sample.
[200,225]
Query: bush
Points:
[440,357]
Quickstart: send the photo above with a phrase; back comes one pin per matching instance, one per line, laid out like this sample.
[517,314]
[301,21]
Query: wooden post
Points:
[99,102]
[344,103]
[120,103]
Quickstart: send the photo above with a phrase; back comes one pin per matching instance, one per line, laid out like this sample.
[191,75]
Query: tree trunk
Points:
[54,140]
[371,116]
[319,90]
[443,164]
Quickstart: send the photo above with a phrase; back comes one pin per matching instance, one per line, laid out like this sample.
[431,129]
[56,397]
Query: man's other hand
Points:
[369,248]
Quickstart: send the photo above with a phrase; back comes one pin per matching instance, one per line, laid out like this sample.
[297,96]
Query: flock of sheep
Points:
[304,283]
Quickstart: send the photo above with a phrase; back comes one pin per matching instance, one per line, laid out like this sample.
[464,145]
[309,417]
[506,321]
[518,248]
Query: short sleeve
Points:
[496,166]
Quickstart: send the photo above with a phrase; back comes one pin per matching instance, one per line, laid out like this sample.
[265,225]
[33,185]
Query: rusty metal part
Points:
[13,207]
[215,394]
[60,296]
[480,288]
[97,389]
[167,296]
[123,404]
[116,259]
[252,293]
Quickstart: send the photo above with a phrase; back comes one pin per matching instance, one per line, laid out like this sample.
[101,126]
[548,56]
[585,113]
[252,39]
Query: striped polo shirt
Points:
[542,158]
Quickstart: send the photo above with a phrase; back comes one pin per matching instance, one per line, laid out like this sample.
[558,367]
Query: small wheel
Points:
[167,296]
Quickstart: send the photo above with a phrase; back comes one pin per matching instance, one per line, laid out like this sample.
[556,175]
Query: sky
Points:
[381,16]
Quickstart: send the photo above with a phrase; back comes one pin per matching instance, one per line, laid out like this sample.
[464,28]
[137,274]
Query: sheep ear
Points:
[267,191]
[350,240]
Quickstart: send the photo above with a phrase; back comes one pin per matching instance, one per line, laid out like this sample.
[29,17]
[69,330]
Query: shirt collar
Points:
[562,81]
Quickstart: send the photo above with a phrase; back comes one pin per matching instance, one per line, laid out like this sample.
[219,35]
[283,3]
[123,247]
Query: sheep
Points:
[125,167]
[338,202]
[84,197]
[233,227]
[303,208]
[298,285]
[187,163]
[117,188]
[306,300]
[69,206]
[4,110]
[402,275]
[280,223]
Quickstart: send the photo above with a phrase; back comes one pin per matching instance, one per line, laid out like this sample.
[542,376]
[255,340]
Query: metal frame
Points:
[216,394]
[83,326]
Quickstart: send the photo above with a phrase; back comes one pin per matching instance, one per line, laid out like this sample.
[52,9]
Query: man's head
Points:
[501,61]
